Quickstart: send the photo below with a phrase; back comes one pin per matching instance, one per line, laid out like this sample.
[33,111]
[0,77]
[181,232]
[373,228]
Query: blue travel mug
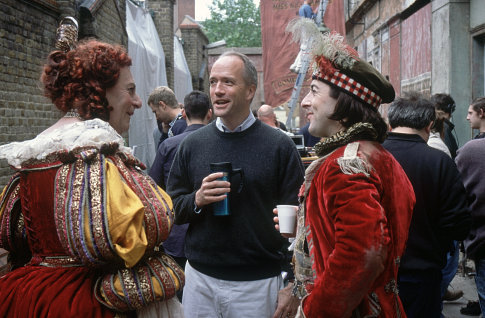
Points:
[221,208]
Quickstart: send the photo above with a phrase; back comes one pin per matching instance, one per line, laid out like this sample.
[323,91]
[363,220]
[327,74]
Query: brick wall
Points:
[66,7]
[110,22]
[184,7]
[163,19]
[194,41]
[27,35]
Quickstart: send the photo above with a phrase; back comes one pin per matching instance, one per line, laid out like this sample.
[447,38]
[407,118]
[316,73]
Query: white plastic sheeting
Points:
[148,69]
[182,79]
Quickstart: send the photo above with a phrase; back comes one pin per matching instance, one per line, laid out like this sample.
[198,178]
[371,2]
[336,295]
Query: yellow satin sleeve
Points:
[125,218]
[156,278]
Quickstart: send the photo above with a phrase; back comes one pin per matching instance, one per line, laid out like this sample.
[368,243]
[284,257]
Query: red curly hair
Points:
[79,78]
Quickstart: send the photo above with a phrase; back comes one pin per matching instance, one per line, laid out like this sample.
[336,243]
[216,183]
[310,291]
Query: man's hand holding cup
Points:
[285,221]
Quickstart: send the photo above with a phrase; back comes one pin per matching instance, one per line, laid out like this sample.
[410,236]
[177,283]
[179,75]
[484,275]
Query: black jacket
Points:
[441,214]
[449,139]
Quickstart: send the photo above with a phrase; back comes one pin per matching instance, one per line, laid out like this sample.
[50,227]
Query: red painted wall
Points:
[416,44]
[395,56]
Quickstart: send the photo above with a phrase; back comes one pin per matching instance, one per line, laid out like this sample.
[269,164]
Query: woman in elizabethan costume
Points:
[80,219]
[357,201]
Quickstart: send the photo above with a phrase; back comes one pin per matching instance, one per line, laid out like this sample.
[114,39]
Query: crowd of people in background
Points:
[383,208]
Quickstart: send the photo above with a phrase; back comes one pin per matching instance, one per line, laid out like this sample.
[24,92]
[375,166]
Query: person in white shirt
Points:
[437,133]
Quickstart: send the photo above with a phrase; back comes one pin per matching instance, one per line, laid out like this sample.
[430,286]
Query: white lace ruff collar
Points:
[93,133]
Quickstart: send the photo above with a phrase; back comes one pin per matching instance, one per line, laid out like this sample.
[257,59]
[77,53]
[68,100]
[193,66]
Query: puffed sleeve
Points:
[125,218]
[9,210]
[13,236]
[121,211]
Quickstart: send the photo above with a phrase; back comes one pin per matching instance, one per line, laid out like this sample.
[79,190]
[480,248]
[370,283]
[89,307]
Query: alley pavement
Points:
[451,309]
[465,281]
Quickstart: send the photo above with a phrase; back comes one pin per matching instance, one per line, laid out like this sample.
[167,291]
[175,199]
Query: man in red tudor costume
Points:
[357,201]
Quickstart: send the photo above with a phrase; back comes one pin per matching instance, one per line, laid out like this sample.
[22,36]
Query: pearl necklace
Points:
[73,114]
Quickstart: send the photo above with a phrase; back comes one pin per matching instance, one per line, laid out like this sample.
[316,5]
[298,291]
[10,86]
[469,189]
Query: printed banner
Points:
[279,52]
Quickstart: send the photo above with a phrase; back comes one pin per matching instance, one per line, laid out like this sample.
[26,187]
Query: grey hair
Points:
[250,73]
[412,111]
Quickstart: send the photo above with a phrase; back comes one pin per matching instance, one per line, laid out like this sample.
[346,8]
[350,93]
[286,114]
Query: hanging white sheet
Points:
[182,78]
[148,70]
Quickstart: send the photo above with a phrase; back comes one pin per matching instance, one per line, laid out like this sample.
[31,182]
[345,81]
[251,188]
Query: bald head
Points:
[266,115]
[265,110]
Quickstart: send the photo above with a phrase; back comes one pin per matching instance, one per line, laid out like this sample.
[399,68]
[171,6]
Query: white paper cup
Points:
[287,218]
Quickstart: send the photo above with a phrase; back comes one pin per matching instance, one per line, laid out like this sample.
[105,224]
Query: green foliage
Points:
[238,22]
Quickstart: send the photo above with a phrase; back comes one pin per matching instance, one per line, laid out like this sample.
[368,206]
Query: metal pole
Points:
[299,81]
[305,63]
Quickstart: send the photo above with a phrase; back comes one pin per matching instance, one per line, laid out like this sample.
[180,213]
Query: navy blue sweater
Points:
[245,245]
[441,213]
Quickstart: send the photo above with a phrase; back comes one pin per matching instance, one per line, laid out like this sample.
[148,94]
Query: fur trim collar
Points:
[93,133]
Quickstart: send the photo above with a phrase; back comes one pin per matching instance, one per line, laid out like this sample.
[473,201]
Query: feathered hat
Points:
[337,64]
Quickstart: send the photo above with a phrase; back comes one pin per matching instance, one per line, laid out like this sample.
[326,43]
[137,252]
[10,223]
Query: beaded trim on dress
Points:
[73,113]
[93,133]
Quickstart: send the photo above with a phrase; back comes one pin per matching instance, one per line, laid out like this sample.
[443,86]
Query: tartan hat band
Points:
[342,81]
[339,65]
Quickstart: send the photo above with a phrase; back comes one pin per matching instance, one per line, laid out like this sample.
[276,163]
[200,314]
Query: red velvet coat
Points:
[358,210]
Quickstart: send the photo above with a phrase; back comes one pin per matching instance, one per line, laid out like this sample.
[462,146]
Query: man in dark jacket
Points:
[234,261]
[198,111]
[440,215]
[310,140]
[447,104]
[167,111]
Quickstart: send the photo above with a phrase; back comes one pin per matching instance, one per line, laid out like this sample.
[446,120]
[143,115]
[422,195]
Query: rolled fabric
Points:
[157,279]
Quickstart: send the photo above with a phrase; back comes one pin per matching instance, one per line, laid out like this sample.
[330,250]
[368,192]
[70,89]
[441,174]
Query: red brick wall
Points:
[185,7]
